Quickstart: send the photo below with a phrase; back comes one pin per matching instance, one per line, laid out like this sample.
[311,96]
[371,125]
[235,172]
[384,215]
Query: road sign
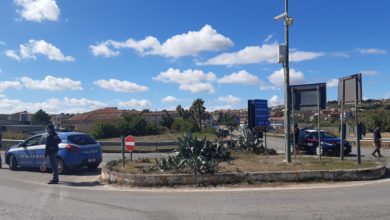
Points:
[258,113]
[130,143]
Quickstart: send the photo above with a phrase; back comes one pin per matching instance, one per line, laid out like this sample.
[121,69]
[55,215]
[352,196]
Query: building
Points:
[155,117]
[85,121]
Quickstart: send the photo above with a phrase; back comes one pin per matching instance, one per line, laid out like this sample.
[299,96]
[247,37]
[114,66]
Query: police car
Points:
[76,150]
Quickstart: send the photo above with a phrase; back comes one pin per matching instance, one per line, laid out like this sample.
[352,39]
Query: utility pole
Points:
[285,60]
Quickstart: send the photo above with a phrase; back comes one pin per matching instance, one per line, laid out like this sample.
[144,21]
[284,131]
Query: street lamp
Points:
[284,59]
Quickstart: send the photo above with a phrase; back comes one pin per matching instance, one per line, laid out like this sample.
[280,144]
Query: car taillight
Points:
[71,148]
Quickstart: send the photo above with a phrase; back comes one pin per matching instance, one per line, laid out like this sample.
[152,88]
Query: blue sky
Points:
[75,56]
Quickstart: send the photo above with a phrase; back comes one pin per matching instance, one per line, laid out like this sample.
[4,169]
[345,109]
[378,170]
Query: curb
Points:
[155,180]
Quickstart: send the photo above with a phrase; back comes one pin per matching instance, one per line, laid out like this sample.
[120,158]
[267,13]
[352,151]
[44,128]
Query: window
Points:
[81,139]
[33,141]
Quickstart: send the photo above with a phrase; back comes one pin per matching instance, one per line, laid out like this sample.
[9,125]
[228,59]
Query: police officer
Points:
[377,141]
[0,152]
[52,141]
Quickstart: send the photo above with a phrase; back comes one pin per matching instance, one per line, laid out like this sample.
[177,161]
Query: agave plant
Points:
[250,141]
[195,156]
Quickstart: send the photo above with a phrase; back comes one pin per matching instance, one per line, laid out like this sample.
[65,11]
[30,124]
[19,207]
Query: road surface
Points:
[27,199]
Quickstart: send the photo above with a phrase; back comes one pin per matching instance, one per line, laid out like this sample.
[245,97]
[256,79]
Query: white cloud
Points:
[2,43]
[386,96]
[51,83]
[277,77]
[298,56]
[187,44]
[371,51]
[332,83]
[231,100]
[241,77]
[54,106]
[170,99]
[268,38]
[136,104]
[4,85]
[12,54]
[275,101]
[38,10]
[102,49]
[38,47]
[369,72]
[221,107]
[266,53]
[120,86]
[190,80]
[197,87]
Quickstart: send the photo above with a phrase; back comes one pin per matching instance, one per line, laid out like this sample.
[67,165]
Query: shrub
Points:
[181,125]
[104,130]
[195,156]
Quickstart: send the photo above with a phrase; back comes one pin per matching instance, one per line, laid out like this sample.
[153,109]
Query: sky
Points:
[76,56]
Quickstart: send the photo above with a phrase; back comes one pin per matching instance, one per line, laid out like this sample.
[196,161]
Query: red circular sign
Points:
[130,143]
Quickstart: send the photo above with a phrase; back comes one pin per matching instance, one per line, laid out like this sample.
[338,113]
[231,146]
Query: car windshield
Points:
[81,139]
[324,134]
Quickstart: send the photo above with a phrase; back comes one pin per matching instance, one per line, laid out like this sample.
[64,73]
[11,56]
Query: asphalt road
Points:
[25,195]
[27,199]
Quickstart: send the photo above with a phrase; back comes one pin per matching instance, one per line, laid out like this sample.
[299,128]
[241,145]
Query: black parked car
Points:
[308,141]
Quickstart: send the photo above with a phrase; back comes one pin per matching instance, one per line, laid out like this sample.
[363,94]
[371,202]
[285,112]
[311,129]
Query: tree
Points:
[40,118]
[166,120]
[182,113]
[197,112]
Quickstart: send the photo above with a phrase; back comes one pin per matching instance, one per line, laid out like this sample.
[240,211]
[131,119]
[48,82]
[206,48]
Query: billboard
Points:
[350,89]
[305,97]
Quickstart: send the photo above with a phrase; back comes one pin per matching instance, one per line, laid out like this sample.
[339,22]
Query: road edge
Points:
[158,180]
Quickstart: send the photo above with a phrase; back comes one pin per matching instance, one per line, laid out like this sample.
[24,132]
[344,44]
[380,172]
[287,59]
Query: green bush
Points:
[104,130]
[182,125]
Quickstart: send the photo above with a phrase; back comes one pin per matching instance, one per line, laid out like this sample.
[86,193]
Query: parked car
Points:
[76,150]
[308,141]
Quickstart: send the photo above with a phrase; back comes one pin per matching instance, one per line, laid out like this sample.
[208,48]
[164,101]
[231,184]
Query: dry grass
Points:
[246,162]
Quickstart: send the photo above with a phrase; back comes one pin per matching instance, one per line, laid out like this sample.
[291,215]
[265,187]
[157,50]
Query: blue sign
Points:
[261,112]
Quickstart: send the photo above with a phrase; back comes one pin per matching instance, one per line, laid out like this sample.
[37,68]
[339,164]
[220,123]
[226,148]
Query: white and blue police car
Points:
[76,150]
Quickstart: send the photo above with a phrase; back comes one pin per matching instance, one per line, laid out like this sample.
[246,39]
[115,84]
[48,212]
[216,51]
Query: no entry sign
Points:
[130,143]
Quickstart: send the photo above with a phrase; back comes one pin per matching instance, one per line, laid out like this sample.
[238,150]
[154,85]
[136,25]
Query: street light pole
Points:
[284,59]
[287,88]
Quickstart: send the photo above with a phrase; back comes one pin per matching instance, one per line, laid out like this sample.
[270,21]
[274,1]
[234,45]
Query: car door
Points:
[28,154]
[40,152]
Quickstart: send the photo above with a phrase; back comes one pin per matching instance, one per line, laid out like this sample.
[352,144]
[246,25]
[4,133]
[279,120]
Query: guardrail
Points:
[152,144]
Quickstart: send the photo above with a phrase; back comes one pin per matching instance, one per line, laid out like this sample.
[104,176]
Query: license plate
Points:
[91,160]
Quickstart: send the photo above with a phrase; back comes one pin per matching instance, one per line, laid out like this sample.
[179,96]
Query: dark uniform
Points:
[0,153]
[377,141]
[52,141]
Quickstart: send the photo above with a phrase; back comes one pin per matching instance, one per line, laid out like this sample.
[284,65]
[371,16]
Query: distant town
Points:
[23,121]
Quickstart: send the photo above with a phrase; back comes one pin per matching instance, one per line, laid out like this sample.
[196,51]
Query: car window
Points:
[324,134]
[81,139]
[33,141]
[306,135]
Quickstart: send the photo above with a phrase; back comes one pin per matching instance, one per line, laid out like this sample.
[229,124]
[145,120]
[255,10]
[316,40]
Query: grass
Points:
[249,162]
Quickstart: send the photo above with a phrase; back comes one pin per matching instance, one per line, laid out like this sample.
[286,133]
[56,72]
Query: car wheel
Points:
[319,151]
[93,166]
[60,166]
[13,164]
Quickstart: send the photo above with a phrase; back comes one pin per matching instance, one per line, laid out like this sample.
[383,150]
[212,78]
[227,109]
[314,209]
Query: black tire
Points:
[61,166]
[13,163]
[93,166]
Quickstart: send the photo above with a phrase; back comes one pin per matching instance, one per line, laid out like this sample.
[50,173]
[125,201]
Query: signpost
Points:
[130,145]
[258,116]
[309,97]
[350,93]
